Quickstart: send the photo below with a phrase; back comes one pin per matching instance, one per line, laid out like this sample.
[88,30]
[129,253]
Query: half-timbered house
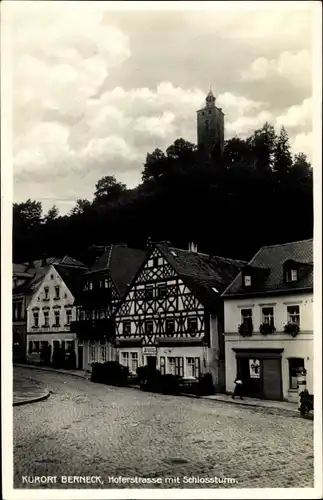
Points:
[172,315]
[103,287]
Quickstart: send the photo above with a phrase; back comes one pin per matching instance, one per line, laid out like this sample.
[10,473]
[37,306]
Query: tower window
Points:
[210,111]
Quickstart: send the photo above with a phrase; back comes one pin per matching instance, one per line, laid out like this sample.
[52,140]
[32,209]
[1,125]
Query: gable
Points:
[46,293]
[156,268]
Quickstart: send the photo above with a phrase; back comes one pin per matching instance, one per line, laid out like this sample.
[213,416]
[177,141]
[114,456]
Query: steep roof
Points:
[72,276]
[37,270]
[122,263]
[273,258]
[206,276]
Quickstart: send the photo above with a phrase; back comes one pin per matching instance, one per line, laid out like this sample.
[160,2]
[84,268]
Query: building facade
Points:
[51,311]
[269,322]
[210,127]
[171,317]
[102,289]
[20,297]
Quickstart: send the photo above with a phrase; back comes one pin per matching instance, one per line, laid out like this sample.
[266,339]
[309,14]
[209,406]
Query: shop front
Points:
[261,372]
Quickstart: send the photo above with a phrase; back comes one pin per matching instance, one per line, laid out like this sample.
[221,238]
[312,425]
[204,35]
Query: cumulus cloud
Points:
[95,90]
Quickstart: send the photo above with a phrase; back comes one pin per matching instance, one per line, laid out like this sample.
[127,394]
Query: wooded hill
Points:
[254,194]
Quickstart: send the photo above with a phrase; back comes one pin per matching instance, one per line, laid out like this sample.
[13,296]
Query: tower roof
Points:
[210,94]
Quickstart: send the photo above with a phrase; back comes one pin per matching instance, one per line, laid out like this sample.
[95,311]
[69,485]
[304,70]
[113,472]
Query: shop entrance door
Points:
[152,362]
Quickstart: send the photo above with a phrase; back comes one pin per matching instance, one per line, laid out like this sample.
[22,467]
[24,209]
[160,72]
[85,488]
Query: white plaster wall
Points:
[232,311]
[37,300]
[298,347]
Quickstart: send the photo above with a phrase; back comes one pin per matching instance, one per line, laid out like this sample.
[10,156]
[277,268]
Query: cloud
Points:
[294,67]
[95,89]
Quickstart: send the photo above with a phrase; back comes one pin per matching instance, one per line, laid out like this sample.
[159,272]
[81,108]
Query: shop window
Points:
[295,365]
[193,367]
[175,366]
[125,358]
[162,365]
[103,353]
[293,315]
[134,362]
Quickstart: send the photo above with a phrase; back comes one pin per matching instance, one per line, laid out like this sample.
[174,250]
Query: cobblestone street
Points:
[87,429]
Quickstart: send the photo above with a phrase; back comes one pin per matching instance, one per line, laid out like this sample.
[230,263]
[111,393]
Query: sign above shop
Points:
[149,351]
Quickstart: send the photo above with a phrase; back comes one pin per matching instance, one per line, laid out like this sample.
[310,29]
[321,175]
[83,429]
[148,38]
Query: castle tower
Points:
[210,126]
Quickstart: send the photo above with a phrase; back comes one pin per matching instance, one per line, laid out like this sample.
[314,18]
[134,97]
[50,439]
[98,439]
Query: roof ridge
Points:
[207,255]
[288,243]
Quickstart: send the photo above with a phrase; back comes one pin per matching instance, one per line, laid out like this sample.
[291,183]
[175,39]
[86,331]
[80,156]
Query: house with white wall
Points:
[268,316]
[51,310]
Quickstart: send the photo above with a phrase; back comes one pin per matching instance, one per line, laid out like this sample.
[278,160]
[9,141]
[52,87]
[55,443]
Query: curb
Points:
[54,370]
[32,400]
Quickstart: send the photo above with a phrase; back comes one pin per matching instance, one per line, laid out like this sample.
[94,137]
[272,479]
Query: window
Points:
[46,318]
[170,326]
[149,292]
[55,345]
[149,326]
[46,292]
[160,261]
[68,316]
[295,364]
[17,311]
[36,319]
[293,315]
[162,365]
[214,289]
[161,290]
[247,280]
[57,292]
[103,353]
[175,366]
[126,327]
[210,111]
[125,359]
[150,263]
[193,367]
[106,283]
[56,318]
[268,315]
[134,362]
[36,346]
[51,276]
[30,346]
[155,261]
[90,285]
[192,325]
[93,352]
[246,319]
[291,275]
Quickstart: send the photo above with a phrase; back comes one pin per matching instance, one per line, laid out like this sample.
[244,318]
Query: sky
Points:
[94,90]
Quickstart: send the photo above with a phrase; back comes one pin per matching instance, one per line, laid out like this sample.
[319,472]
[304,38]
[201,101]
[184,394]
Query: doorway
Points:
[80,357]
[152,362]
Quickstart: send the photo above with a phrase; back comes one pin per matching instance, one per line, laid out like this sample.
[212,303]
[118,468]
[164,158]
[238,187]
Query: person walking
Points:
[237,388]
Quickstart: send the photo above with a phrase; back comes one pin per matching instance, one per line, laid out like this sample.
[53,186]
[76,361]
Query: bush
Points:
[205,387]
[170,384]
[110,373]
[149,378]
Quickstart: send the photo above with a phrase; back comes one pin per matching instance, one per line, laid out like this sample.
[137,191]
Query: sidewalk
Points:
[283,406]
[28,391]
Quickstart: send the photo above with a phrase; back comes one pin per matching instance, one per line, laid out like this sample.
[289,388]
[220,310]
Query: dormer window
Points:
[291,275]
[46,292]
[247,280]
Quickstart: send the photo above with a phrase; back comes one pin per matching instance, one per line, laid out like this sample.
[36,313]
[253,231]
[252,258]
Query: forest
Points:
[255,193]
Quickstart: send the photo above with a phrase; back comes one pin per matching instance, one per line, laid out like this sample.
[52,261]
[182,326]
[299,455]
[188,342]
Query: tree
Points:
[154,165]
[82,205]
[282,155]
[29,212]
[180,149]
[301,166]
[52,214]
[236,152]
[262,144]
[108,189]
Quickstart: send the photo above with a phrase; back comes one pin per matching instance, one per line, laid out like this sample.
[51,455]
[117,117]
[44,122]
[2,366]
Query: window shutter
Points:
[162,365]
[197,367]
[181,367]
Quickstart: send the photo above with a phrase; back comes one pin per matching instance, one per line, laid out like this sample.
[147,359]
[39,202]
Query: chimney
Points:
[192,247]
[43,261]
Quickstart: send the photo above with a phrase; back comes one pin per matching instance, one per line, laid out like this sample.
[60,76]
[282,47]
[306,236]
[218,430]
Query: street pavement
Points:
[87,429]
